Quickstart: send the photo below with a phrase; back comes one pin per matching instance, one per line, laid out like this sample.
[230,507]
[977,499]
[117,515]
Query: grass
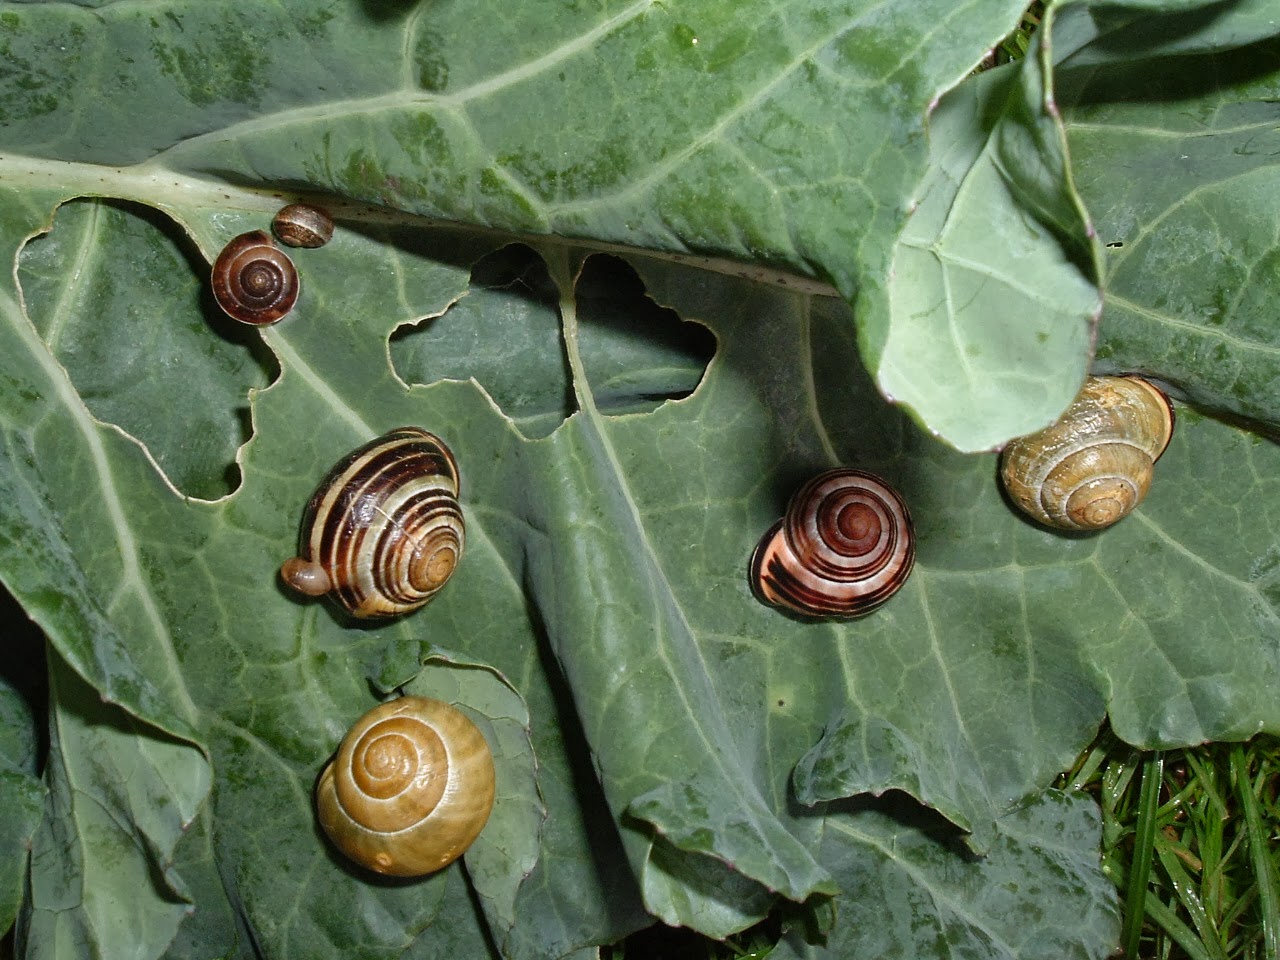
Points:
[1189,838]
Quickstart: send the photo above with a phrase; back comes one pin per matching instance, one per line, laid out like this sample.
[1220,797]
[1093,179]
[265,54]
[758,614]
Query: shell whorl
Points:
[1094,465]
[410,788]
[254,281]
[844,547]
[384,530]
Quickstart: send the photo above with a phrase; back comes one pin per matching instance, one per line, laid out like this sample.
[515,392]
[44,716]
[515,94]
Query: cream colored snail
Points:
[303,225]
[845,546]
[410,788]
[1094,465]
[383,532]
[254,281]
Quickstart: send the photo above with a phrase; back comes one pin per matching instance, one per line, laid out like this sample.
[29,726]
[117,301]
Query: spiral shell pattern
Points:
[411,787]
[254,281]
[1095,464]
[384,530]
[845,546]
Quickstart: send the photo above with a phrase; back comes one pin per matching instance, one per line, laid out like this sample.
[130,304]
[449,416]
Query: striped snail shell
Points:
[303,225]
[1094,465]
[844,547]
[254,281]
[411,787]
[383,531]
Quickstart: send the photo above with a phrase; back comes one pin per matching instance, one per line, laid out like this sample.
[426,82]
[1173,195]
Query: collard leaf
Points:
[1000,906]
[21,796]
[794,135]
[1180,181]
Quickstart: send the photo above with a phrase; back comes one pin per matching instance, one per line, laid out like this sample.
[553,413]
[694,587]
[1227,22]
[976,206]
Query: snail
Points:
[845,546]
[254,281]
[383,531]
[1094,465]
[302,225]
[410,788]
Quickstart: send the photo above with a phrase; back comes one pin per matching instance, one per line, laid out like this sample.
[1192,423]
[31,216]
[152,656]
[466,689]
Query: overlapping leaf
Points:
[795,134]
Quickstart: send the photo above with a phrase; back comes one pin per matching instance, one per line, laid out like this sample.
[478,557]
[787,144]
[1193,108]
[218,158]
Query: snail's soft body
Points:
[384,530]
[410,788]
[1094,465]
[844,547]
[302,225]
[253,280]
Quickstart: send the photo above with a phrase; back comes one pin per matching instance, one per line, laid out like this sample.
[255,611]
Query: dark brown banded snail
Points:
[303,225]
[254,281]
[383,532]
[845,546]
[410,788]
[1094,465]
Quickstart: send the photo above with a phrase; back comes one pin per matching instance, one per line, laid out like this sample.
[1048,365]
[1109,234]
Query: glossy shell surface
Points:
[845,546]
[384,530]
[411,787]
[1095,464]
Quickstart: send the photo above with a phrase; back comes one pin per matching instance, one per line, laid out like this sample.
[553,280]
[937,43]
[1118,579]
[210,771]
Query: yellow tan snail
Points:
[384,531]
[845,546]
[1094,465]
[254,281]
[302,225]
[410,788]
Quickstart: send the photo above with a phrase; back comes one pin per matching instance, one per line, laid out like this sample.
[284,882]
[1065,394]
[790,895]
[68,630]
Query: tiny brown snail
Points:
[845,546]
[383,531]
[254,281]
[1094,465]
[303,225]
[410,788]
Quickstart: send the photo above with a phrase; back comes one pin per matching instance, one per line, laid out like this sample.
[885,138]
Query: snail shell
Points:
[845,546]
[1094,465]
[302,225]
[254,281]
[410,788]
[383,531]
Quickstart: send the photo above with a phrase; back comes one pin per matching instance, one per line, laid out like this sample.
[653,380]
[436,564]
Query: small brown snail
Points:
[254,281]
[383,531]
[302,225]
[1094,465]
[411,787]
[845,546]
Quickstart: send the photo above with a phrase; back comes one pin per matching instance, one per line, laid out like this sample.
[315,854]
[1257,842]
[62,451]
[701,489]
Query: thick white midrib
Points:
[593,417]
[132,578]
[75,282]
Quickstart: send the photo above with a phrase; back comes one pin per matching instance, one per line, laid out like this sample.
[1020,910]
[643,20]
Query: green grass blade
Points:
[1136,905]
[1264,867]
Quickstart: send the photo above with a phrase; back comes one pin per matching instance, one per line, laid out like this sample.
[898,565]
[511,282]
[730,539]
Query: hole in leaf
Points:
[120,297]
[637,354]
[506,334]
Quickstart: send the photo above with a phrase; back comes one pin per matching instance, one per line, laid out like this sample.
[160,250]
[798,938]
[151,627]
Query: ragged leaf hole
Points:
[638,354]
[121,298]
[506,333]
